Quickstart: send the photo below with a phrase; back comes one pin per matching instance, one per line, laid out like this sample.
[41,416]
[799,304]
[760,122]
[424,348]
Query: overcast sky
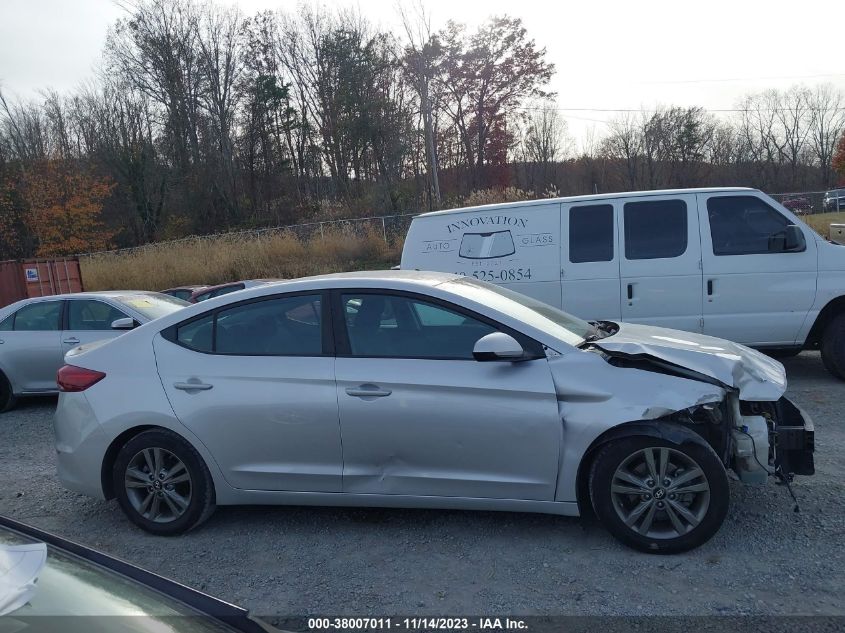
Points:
[608,54]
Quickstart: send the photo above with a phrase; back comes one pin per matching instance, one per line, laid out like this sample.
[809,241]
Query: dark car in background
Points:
[183,292]
[834,200]
[223,289]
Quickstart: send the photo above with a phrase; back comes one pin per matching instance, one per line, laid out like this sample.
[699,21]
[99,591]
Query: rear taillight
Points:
[72,378]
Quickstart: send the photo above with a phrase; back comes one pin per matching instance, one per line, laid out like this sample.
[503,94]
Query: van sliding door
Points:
[589,266]
[661,262]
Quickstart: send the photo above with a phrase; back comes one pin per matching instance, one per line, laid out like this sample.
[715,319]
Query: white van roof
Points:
[587,198]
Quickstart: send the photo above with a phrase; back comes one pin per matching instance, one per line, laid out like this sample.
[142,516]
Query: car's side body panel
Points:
[449,428]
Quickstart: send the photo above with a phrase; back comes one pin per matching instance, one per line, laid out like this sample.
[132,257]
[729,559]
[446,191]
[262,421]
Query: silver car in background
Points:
[416,389]
[36,333]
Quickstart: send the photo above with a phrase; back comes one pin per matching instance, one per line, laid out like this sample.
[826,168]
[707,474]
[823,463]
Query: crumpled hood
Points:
[755,375]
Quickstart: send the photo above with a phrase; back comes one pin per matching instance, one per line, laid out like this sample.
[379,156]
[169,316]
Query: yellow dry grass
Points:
[230,258]
[821,221]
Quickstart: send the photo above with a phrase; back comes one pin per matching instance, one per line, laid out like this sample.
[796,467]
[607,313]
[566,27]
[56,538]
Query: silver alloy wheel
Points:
[158,485]
[660,493]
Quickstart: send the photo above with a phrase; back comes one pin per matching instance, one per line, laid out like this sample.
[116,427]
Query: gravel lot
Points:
[296,561]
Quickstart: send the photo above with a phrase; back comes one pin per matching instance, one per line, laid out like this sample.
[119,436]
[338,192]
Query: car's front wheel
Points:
[162,483]
[659,497]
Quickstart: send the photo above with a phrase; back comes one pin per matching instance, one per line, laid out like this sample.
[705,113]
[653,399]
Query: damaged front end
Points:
[754,438]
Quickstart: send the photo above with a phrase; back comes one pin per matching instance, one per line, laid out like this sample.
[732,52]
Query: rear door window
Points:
[38,317]
[655,229]
[282,326]
[591,233]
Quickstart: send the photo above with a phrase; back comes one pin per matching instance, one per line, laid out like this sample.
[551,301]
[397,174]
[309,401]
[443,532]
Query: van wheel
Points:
[833,346]
[162,484]
[7,398]
[659,497]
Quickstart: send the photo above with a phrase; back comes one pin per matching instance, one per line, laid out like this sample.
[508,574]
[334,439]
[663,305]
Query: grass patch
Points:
[230,258]
[821,221]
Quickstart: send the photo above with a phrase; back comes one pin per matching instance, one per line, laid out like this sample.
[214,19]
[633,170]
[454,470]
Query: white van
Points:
[730,262]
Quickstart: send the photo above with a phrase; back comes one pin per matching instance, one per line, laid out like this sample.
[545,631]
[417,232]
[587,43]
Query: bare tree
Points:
[422,55]
[544,142]
[827,123]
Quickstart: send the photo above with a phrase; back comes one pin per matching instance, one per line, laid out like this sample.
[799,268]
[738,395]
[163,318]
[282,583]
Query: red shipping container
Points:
[22,279]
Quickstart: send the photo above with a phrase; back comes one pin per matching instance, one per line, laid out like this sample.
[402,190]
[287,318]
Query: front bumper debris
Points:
[794,440]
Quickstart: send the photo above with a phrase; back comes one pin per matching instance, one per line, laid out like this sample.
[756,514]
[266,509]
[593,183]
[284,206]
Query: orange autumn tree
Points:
[65,204]
[839,160]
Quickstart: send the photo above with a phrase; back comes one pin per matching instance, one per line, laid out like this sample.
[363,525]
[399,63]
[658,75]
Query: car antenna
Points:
[784,478]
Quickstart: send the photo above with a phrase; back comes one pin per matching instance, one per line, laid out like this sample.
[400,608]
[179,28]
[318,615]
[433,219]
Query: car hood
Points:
[755,375]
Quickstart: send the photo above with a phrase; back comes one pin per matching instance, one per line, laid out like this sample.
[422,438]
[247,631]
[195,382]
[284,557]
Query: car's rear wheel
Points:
[833,347]
[162,483]
[659,497]
[7,396]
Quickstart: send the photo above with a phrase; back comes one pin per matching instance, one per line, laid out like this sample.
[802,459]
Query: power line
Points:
[653,110]
[703,81]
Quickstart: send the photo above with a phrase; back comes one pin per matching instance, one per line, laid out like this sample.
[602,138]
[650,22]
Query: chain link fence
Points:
[390,227]
[811,202]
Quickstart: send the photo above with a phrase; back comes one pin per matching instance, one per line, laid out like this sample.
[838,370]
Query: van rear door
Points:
[510,245]
[589,262]
[756,290]
[661,261]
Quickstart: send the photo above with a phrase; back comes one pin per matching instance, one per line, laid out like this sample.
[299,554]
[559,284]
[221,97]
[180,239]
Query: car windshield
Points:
[69,585]
[535,313]
[152,306]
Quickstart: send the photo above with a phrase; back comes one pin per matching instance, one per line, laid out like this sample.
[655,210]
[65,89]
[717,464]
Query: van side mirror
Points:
[498,346]
[789,240]
[126,323]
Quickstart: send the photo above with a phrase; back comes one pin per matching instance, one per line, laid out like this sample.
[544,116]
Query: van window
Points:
[655,229]
[743,225]
[591,233]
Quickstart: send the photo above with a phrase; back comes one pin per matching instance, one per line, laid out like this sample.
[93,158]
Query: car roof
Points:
[97,294]
[371,277]
[395,279]
[586,198]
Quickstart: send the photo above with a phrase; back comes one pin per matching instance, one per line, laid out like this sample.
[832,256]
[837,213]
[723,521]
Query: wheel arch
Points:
[833,308]
[660,429]
[114,448]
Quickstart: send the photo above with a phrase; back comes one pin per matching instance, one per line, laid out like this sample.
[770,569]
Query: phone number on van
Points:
[505,274]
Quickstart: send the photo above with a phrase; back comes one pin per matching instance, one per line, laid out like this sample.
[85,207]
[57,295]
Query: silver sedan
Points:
[36,333]
[414,389]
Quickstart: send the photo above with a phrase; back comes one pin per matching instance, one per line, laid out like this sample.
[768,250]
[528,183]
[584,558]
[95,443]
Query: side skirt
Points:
[339,499]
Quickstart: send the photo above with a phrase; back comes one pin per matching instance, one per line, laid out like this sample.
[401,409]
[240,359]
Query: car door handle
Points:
[368,391]
[192,386]
[709,287]
[72,341]
[630,291]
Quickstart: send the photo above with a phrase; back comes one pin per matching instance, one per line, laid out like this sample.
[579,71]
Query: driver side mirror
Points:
[789,240]
[126,323]
[498,346]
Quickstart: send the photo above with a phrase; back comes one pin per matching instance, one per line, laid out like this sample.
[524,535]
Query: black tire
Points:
[833,346]
[7,397]
[200,502]
[710,507]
